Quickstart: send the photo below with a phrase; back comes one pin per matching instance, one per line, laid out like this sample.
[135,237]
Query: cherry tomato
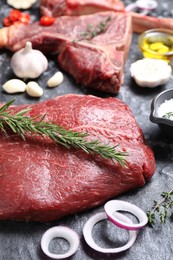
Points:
[24,18]
[7,22]
[47,20]
[16,17]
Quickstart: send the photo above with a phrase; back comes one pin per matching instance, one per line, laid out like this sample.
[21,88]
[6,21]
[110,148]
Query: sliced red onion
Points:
[87,233]
[146,4]
[61,232]
[131,7]
[112,206]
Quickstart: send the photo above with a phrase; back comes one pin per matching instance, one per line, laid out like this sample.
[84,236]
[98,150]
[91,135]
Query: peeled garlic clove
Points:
[33,89]
[14,86]
[55,80]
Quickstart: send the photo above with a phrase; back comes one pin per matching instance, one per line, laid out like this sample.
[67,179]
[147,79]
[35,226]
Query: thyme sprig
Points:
[93,31]
[168,115]
[161,207]
[21,124]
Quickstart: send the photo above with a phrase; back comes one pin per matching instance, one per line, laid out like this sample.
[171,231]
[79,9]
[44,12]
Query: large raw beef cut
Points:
[42,181]
[78,7]
[96,62]
[140,23]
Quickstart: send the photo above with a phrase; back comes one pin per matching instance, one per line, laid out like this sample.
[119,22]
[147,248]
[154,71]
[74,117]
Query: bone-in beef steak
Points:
[140,23]
[94,58]
[78,7]
[41,181]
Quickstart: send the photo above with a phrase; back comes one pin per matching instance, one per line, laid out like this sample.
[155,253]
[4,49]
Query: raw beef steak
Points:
[78,7]
[41,181]
[95,61]
[140,23]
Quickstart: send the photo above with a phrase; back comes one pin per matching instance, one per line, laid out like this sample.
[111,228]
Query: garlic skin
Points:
[55,80]
[14,86]
[33,89]
[28,62]
[21,4]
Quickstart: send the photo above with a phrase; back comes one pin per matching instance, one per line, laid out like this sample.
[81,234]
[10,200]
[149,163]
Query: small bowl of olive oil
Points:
[157,44]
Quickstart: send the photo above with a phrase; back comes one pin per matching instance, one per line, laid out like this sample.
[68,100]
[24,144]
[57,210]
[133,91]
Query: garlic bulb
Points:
[21,4]
[28,63]
[150,72]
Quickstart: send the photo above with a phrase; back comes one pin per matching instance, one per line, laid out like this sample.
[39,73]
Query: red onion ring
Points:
[144,5]
[113,206]
[87,233]
[131,7]
[63,232]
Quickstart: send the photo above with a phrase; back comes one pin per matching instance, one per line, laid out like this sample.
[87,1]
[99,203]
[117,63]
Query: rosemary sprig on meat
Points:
[92,31]
[161,207]
[21,124]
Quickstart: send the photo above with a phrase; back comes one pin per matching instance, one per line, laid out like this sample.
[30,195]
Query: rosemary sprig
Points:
[161,207]
[21,124]
[92,31]
[168,115]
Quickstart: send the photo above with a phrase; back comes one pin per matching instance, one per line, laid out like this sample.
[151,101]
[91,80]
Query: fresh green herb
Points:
[161,207]
[21,124]
[168,115]
[93,31]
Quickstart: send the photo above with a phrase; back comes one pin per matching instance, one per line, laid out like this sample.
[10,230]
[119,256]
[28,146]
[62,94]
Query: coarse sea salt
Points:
[165,107]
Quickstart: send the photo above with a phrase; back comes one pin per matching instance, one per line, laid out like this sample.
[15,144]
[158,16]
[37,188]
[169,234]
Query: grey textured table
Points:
[20,240]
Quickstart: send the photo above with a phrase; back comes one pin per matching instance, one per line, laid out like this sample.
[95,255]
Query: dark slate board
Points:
[20,240]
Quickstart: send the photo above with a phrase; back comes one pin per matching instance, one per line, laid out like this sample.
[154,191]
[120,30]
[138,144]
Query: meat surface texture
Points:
[78,7]
[41,181]
[96,62]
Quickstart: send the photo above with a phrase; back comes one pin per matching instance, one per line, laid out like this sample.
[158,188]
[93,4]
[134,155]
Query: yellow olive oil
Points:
[157,46]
